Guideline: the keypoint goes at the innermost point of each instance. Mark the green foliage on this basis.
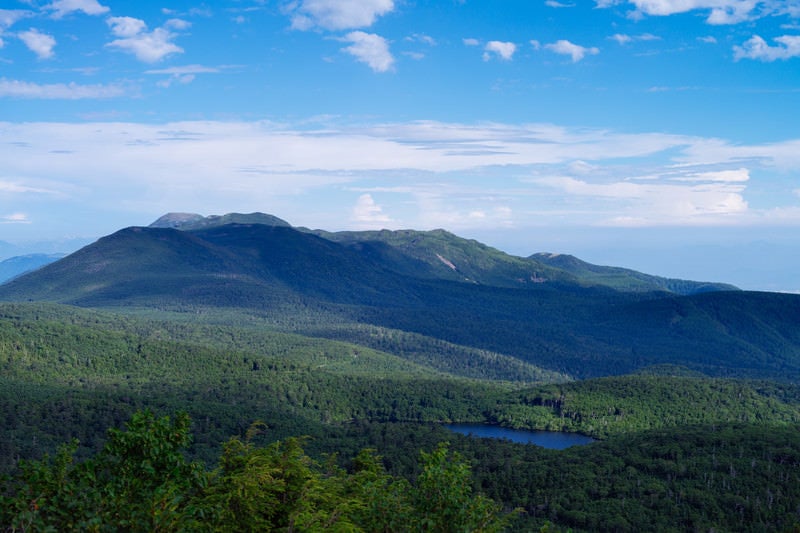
(397, 282)
(608, 406)
(140, 481)
(439, 254)
(444, 499)
(624, 279)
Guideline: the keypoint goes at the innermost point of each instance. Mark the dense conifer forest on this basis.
(257, 377)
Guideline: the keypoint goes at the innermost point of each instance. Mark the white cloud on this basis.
(39, 43)
(503, 50)
(421, 38)
(337, 14)
(757, 48)
(64, 7)
(576, 52)
(472, 172)
(709, 39)
(10, 187)
(631, 203)
(57, 91)
(126, 26)
(183, 70)
(148, 47)
(719, 11)
(9, 17)
(556, 4)
(370, 49)
(15, 218)
(471, 42)
(183, 74)
(622, 38)
(178, 24)
(726, 176)
(368, 213)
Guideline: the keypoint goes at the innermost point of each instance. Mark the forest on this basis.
(677, 451)
(281, 379)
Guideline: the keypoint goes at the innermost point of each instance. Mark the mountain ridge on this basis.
(305, 282)
(440, 254)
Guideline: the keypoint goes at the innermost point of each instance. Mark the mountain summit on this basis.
(193, 221)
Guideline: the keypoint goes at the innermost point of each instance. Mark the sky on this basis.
(660, 135)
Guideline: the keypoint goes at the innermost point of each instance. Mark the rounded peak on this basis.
(193, 221)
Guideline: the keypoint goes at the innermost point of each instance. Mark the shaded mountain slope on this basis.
(624, 278)
(295, 278)
(439, 254)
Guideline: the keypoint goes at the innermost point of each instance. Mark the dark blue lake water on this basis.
(546, 439)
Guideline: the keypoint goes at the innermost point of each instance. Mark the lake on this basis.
(555, 440)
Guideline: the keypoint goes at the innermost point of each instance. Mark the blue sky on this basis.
(653, 134)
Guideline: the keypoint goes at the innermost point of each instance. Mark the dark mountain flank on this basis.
(434, 287)
(626, 279)
(439, 254)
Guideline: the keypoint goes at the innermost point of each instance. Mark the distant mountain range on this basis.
(17, 265)
(556, 312)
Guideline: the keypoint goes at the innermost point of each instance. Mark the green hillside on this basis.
(625, 279)
(373, 340)
(723, 446)
(308, 284)
(439, 254)
(627, 404)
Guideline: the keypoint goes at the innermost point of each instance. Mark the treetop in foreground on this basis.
(141, 481)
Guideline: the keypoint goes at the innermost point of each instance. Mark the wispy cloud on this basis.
(719, 11)
(182, 74)
(58, 91)
(444, 174)
(13, 187)
(576, 52)
(15, 218)
(60, 8)
(9, 17)
(654, 201)
(337, 14)
(757, 48)
(622, 38)
(147, 46)
(367, 213)
(39, 43)
(370, 49)
(421, 38)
